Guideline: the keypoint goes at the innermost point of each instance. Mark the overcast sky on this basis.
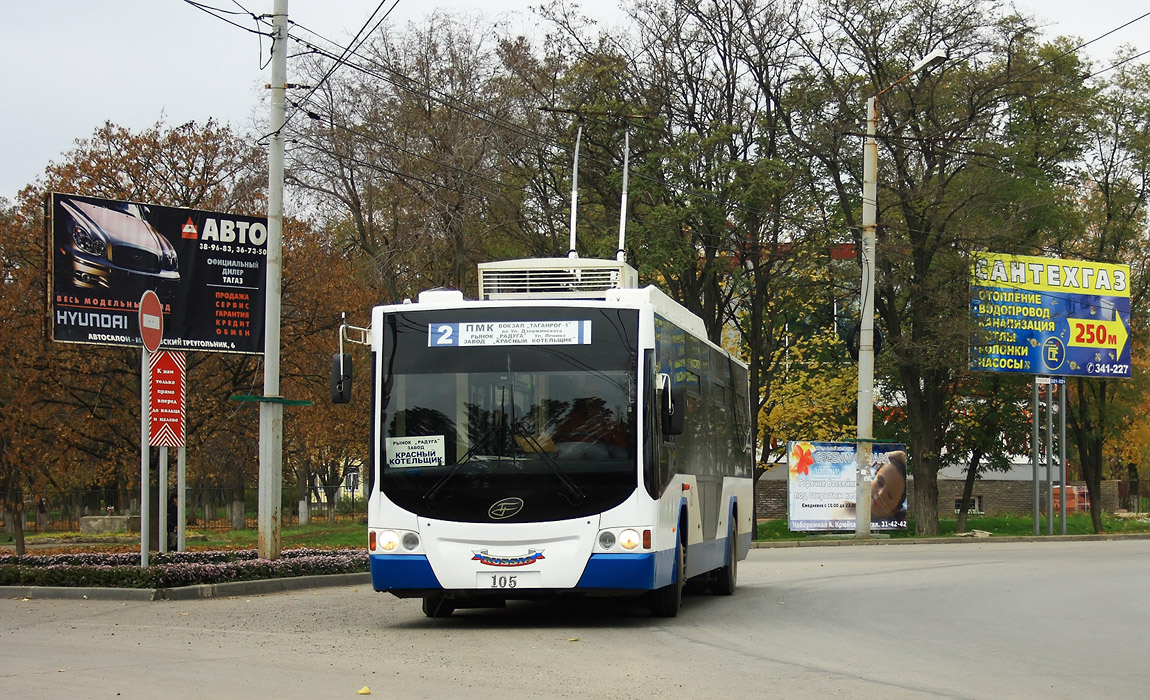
(68, 66)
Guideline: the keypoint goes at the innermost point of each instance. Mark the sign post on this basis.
(167, 382)
(151, 319)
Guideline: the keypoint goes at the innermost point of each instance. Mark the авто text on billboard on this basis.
(208, 269)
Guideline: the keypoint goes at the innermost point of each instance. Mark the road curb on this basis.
(202, 591)
(850, 541)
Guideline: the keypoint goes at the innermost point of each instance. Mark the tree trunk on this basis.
(1089, 436)
(1133, 503)
(925, 505)
(925, 449)
(239, 516)
(1094, 488)
(301, 480)
(968, 489)
(17, 522)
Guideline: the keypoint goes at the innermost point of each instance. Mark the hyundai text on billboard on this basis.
(207, 268)
(1050, 316)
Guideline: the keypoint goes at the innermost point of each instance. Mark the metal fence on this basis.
(1134, 496)
(206, 509)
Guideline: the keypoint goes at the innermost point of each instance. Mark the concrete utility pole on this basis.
(865, 407)
(271, 411)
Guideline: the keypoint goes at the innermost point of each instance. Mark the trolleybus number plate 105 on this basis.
(507, 580)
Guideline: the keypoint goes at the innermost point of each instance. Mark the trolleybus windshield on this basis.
(483, 405)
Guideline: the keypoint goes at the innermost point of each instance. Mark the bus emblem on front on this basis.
(501, 510)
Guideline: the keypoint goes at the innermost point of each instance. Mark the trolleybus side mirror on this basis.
(341, 378)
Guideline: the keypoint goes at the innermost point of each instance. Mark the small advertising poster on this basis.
(1050, 316)
(208, 270)
(822, 483)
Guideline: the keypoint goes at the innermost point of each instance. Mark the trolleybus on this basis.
(566, 433)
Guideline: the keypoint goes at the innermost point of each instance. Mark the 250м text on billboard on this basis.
(1050, 316)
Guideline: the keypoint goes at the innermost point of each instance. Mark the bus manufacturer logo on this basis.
(501, 510)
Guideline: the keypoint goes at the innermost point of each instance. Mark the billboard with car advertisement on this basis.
(1050, 316)
(207, 268)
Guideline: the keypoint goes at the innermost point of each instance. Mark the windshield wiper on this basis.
(571, 491)
(499, 429)
(484, 441)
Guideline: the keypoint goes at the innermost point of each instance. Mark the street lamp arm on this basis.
(932, 59)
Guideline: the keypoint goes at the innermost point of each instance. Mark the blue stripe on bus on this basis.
(648, 571)
(398, 571)
(704, 556)
(744, 544)
(620, 571)
(642, 571)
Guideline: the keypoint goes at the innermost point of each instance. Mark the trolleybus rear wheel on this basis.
(727, 577)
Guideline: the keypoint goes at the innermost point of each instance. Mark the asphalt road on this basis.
(971, 620)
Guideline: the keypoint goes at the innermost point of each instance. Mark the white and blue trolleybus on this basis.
(566, 433)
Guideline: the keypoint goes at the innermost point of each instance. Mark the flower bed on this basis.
(173, 569)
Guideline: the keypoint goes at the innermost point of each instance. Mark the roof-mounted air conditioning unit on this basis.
(554, 278)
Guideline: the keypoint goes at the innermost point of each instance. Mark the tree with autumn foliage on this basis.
(322, 441)
(1111, 185)
(75, 419)
(813, 394)
(25, 449)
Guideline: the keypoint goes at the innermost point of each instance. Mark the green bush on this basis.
(175, 569)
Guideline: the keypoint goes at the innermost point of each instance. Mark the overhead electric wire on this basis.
(409, 85)
(392, 145)
(217, 12)
(350, 48)
(423, 90)
(1088, 43)
(406, 83)
(1118, 64)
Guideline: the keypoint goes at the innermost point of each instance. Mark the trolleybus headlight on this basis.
(388, 540)
(410, 541)
(606, 539)
(629, 539)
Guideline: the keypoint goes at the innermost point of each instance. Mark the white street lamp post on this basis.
(865, 414)
(865, 410)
